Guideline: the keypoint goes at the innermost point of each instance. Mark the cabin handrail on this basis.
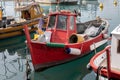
(23, 23)
(108, 67)
(107, 49)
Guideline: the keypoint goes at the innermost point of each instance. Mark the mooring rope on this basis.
(99, 72)
(28, 68)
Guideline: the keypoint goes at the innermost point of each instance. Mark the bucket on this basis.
(77, 38)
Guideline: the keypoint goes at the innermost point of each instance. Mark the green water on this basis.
(75, 70)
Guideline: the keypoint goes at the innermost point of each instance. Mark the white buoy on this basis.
(73, 51)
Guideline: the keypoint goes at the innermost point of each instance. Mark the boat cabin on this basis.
(61, 24)
(31, 11)
(115, 47)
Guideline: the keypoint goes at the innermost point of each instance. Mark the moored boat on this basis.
(106, 62)
(30, 14)
(57, 1)
(65, 40)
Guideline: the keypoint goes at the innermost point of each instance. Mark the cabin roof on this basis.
(26, 7)
(116, 31)
(63, 12)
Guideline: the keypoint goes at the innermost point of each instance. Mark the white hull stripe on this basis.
(98, 44)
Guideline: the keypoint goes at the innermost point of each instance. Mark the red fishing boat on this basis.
(105, 63)
(65, 40)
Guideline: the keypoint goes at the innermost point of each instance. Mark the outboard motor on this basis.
(3, 22)
(9, 20)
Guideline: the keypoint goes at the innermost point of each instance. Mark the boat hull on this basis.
(46, 56)
(96, 62)
(14, 33)
(14, 30)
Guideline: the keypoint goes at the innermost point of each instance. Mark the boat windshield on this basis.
(61, 22)
(51, 22)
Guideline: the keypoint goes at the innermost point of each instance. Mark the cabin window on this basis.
(118, 47)
(62, 22)
(26, 15)
(51, 22)
(71, 23)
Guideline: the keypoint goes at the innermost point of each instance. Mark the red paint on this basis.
(108, 63)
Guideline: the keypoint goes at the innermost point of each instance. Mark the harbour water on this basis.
(75, 70)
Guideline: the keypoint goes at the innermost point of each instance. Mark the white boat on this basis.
(106, 62)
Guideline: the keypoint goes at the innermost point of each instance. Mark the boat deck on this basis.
(104, 64)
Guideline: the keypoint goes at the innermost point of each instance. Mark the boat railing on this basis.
(23, 23)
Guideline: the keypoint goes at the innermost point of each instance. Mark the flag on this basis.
(41, 22)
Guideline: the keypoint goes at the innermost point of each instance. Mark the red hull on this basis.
(104, 72)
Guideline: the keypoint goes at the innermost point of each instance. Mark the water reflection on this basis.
(90, 76)
(12, 44)
(13, 54)
(10, 65)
